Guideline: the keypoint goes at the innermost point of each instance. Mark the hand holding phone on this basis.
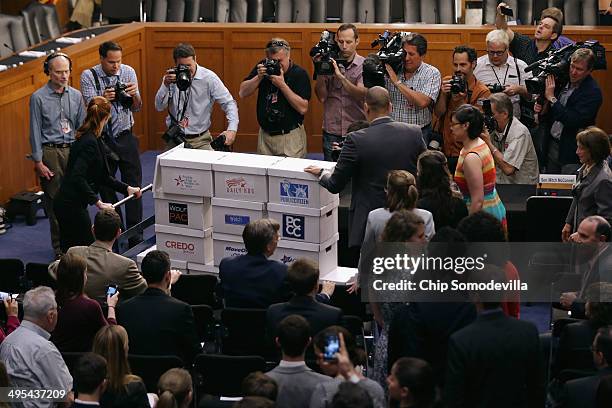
(111, 290)
(332, 346)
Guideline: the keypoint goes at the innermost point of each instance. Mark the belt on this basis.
(57, 145)
(196, 135)
(283, 131)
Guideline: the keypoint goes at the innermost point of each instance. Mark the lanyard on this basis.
(502, 142)
(505, 75)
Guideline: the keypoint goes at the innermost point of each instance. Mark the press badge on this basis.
(65, 126)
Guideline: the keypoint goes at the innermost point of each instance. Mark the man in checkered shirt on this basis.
(415, 90)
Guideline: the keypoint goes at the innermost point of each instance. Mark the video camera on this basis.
(121, 96)
(327, 49)
(391, 52)
(557, 64)
(183, 76)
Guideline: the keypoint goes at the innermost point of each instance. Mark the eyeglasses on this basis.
(496, 53)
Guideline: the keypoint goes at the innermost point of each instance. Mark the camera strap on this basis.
(180, 116)
(109, 125)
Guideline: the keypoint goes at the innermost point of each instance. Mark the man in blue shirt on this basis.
(122, 152)
(56, 111)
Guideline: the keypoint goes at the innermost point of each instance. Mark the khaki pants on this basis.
(56, 159)
(292, 144)
(201, 142)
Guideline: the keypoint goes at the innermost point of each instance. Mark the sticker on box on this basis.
(237, 219)
(177, 213)
(293, 193)
(240, 185)
(293, 226)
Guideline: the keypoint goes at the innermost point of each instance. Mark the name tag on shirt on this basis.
(65, 126)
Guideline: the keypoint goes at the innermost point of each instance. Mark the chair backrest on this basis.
(222, 375)
(176, 10)
(41, 22)
(196, 289)
(546, 217)
(71, 358)
(150, 368)
(124, 10)
(192, 11)
(11, 275)
(12, 33)
(157, 10)
(245, 332)
(204, 321)
(38, 275)
(350, 303)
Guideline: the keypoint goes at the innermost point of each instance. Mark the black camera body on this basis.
(489, 120)
(557, 64)
(506, 11)
(391, 53)
(219, 145)
(183, 76)
(496, 88)
(121, 96)
(272, 66)
(327, 49)
(174, 135)
(458, 84)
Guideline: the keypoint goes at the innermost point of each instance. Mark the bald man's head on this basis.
(378, 101)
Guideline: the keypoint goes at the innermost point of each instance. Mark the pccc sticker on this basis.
(293, 226)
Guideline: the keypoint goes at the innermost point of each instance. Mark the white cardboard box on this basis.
(289, 184)
(183, 211)
(241, 176)
(185, 244)
(301, 224)
(186, 171)
(325, 254)
(230, 216)
(201, 269)
(226, 245)
(174, 264)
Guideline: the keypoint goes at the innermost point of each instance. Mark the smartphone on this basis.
(111, 290)
(332, 346)
(506, 11)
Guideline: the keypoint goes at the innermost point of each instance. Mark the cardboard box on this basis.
(226, 245)
(186, 172)
(241, 176)
(174, 264)
(201, 269)
(289, 184)
(313, 225)
(230, 216)
(325, 254)
(183, 211)
(185, 244)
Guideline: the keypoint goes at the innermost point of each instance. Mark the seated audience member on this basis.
(351, 395)
(303, 278)
(254, 402)
(412, 383)
(582, 392)
(174, 389)
(604, 391)
(594, 261)
(435, 192)
(593, 191)
(496, 360)
(511, 145)
(578, 337)
(104, 267)
(89, 380)
(324, 392)
(296, 382)
(256, 384)
(252, 280)
(124, 390)
(483, 227)
(422, 329)
(31, 360)
(157, 323)
(12, 319)
(78, 318)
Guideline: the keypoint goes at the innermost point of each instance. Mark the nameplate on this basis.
(557, 178)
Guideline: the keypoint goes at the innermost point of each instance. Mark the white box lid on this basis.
(209, 267)
(290, 167)
(247, 205)
(191, 158)
(188, 232)
(227, 237)
(245, 163)
(173, 262)
(313, 212)
(339, 275)
(307, 246)
(158, 195)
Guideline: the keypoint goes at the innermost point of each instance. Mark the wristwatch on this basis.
(553, 100)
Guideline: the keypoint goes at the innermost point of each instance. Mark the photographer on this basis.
(414, 91)
(117, 83)
(282, 101)
(343, 93)
(190, 108)
(456, 90)
(503, 74)
(570, 109)
(511, 146)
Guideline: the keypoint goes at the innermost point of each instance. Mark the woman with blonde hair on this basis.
(86, 172)
(124, 388)
(174, 389)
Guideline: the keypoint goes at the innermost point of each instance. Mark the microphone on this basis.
(295, 16)
(10, 48)
(226, 14)
(365, 20)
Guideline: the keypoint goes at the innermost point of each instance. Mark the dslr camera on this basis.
(183, 76)
(489, 120)
(495, 88)
(272, 66)
(121, 96)
(174, 135)
(390, 52)
(327, 49)
(458, 84)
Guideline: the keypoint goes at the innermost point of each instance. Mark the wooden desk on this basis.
(231, 50)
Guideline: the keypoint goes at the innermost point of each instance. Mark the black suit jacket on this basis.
(158, 324)
(495, 362)
(574, 347)
(86, 171)
(367, 157)
(582, 392)
(319, 315)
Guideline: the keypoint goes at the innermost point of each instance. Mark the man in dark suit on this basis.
(495, 361)
(254, 281)
(89, 380)
(303, 278)
(158, 324)
(367, 157)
